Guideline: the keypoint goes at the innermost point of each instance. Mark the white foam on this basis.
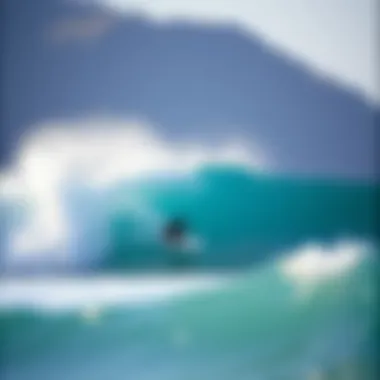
(90, 295)
(313, 263)
(90, 155)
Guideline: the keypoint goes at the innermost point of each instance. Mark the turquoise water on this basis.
(256, 327)
(278, 319)
(241, 218)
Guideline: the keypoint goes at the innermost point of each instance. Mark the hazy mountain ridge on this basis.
(185, 79)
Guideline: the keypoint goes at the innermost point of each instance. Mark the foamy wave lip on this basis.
(91, 155)
(60, 294)
(314, 263)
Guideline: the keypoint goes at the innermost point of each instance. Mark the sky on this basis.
(336, 37)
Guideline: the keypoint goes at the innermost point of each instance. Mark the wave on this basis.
(91, 199)
(65, 173)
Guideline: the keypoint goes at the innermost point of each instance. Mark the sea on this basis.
(277, 280)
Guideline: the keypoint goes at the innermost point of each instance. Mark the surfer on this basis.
(175, 232)
(181, 245)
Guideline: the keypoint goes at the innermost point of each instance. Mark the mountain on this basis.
(62, 61)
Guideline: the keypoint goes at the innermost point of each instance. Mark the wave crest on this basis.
(83, 160)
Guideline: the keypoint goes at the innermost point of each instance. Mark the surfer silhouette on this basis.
(181, 244)
(175, 231)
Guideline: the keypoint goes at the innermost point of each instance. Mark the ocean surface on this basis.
(277, 281)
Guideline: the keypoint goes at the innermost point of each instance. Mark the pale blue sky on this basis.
(336, 37)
